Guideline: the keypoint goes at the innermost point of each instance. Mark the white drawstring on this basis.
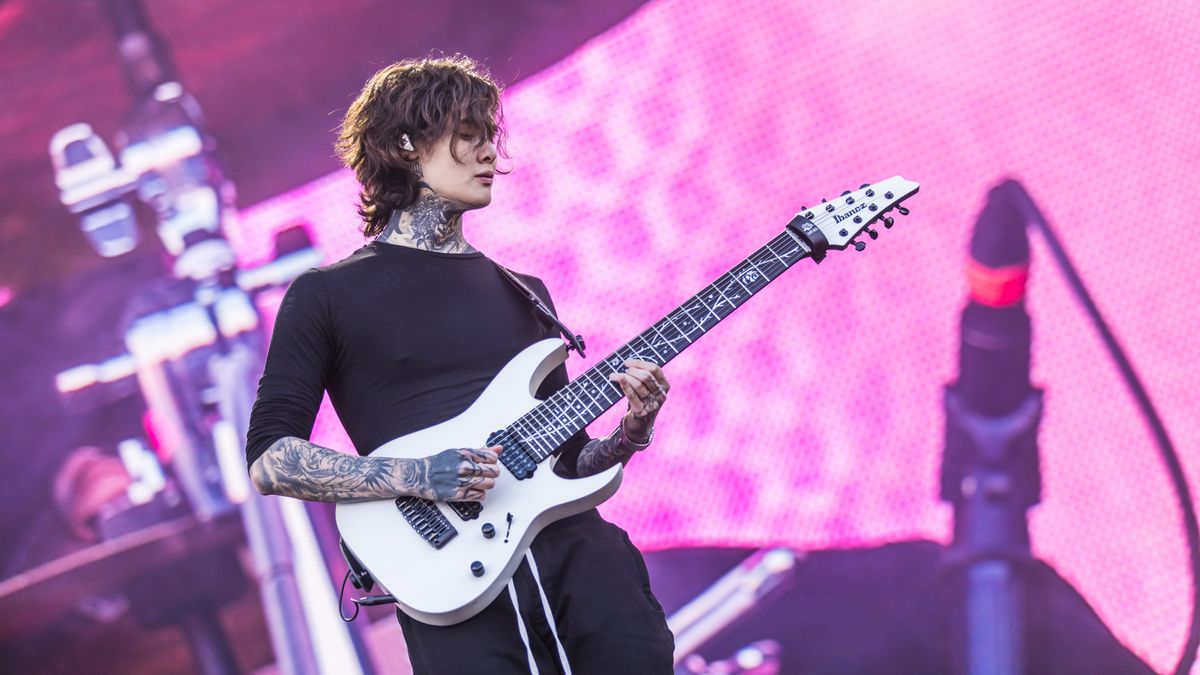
(512, 593)
(562, 653)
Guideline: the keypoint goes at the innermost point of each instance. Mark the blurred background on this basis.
(167, 168)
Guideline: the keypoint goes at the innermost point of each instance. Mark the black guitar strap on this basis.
(573, 340)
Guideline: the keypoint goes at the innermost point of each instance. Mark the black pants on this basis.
(602, 616)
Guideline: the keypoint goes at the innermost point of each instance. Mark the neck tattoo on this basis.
(433, 223)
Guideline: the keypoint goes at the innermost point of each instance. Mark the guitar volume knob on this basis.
(489, 530)
(477, 568)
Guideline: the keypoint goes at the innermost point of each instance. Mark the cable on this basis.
(1159, 430)
(341, 597)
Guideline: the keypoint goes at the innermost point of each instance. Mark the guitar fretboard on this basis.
(588, 396)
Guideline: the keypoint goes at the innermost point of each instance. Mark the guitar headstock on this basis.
(837, 222)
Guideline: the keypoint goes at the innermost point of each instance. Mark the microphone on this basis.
(990, 470)
(992, 411)
(994, 358)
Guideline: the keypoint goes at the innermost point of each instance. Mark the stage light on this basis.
(92, 185)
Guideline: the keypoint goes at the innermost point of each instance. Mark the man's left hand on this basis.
(645, 387)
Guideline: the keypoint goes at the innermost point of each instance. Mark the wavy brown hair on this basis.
(426, 99)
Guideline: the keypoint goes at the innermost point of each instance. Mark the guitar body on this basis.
(437, 586)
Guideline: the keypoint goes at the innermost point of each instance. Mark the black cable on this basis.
(1165, 447)
(341, 597)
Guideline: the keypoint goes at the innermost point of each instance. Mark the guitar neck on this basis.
(570, 409)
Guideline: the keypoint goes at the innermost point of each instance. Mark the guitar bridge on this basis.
(427, 520)
(466, 510)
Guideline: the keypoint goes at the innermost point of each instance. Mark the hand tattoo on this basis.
(441, 475)
(455, 475)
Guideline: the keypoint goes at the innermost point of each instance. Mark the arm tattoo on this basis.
(293, 467)
(601, 453)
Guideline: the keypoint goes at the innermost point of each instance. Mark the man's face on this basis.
(468, 183)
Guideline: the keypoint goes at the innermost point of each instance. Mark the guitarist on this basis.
(405, 333)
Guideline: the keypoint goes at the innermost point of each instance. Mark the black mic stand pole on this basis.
(990, 473)
(990, 469)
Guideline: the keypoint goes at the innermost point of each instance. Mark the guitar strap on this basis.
(573, 340)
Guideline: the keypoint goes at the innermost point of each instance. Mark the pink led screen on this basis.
(664, 151)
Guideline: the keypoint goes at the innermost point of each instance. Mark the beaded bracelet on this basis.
(629, 442)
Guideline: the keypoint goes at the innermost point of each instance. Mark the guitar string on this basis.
(758, 262)
(556, 408)
(772, 270)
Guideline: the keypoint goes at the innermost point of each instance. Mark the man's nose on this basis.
(487, 152)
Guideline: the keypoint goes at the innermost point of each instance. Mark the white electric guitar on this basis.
(444, 562)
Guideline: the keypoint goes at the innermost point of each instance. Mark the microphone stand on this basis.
(990, 469)
(990, 473)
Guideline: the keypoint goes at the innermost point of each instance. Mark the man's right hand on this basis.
(460, 474)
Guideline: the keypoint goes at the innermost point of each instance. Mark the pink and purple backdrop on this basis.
(664, 151)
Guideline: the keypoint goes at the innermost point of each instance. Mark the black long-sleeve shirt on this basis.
(401, 338)
(404, 339)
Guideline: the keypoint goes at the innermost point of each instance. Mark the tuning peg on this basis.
(872, 234)
(859, 245)
(888, 222)
(903, 211)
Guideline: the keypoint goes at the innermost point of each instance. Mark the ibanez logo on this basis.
(839, 217)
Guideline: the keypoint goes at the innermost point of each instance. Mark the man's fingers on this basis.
(469, 468)
(466, 470)
(635, 401)
(477, 489)
(485, 455)
(477, 482)
(650, 367)
(633, 387)
(645, 379)
(654, 371)
(644, 365)
(641, 387)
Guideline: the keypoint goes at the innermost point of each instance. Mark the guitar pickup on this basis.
(466, 510)
(424, 517)
(514, 456)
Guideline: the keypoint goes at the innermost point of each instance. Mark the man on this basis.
(405, 333)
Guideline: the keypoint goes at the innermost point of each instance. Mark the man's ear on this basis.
(408, 151)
